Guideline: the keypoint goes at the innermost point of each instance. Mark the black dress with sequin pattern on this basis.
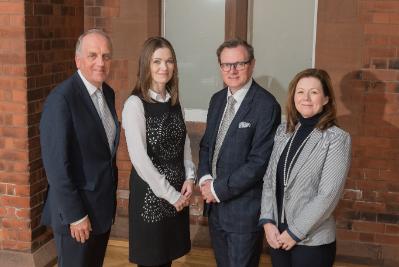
(157, 232)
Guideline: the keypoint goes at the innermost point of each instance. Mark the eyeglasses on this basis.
(237, 65)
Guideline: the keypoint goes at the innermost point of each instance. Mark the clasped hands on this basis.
(277, 240)
(186, 192)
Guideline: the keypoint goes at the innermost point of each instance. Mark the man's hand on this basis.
(188, 188)
(286, 241)
(207, 192)
(181, 203)
(81, 231)
(272, 234)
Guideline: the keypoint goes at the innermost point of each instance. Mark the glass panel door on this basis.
(195, 29)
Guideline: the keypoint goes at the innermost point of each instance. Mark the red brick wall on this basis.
(52, 28)
(37, 53)
(358, 43)
(15, 232)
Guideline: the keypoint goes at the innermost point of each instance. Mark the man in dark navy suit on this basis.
(234, 153)
(79, 133)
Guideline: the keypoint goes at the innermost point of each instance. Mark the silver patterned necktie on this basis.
(106, 118)
(224, 126)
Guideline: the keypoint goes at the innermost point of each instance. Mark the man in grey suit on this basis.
(234, 153)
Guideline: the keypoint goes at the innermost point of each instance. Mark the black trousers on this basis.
(304, 256)
(73, 253)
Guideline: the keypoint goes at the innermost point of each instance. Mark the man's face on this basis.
(94, 59)
(233, 78)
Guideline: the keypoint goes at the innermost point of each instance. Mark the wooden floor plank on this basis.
(117, 256)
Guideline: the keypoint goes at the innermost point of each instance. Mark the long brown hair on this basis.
(328, 117)
(144, 79)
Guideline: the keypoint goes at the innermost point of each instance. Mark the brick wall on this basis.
(36, 53)
(50, 50)
(15, 232)
(358, 43)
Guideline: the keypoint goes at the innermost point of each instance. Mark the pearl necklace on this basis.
(286, 172)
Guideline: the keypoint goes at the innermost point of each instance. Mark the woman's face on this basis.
(309, 97)
(162, 66)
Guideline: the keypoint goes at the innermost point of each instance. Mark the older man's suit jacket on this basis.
(243, 156)
(80, 168)
(315, 184)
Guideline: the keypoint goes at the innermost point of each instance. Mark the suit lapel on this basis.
(219, 111)
(304, 154)
(86, 99)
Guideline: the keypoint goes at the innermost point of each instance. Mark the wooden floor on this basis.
(117, 256)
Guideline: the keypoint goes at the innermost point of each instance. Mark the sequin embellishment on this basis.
(165, 145)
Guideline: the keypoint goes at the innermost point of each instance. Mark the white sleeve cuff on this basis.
(190, 169)
(214, 193)
(204, 178)
(81, 220)
(175, 198)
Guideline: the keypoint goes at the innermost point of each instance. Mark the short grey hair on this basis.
(78, 48)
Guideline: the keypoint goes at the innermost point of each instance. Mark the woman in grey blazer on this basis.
(305, 176)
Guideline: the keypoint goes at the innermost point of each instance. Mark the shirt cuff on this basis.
(264, 221)
(293, 236)
(204, 178)
(190, 169)
(175, 198)
(81, 220)
(214, 193)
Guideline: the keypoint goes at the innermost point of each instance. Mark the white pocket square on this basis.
(244, 124)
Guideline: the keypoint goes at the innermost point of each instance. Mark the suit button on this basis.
(287, 196)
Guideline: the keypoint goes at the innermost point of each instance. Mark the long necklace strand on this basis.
(286, 172)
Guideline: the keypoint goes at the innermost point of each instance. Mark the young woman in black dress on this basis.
(162, 177)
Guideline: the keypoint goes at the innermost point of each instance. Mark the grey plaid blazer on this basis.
(315, 184)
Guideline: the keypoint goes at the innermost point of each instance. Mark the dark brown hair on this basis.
(144, 78)
(236, 42)
(328, 117)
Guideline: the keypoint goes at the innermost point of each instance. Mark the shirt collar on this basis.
(240, 94)
(154, 95)
(90, 88)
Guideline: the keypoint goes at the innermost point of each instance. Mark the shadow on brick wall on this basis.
(368, 214)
